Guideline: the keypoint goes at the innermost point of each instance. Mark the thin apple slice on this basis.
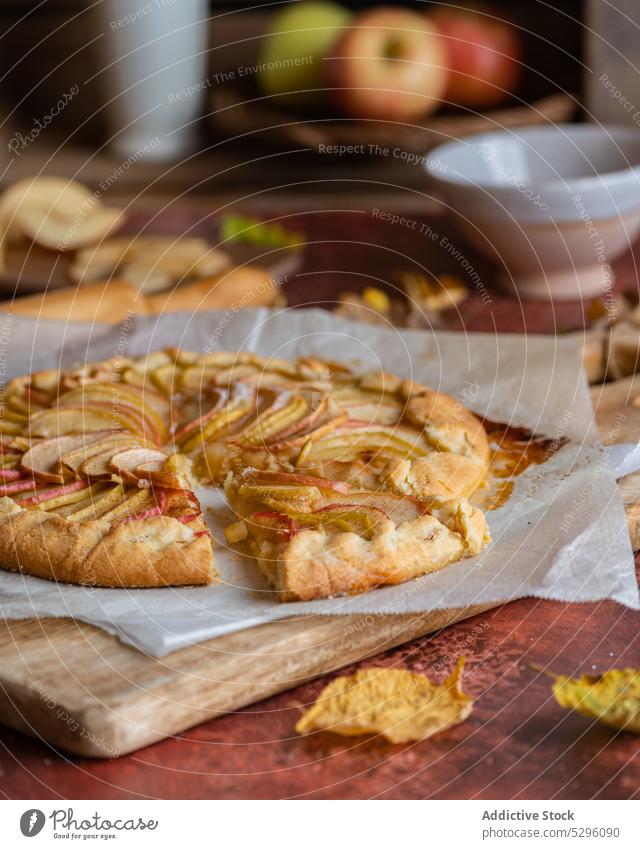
(39, 193)
(300, 437)
(98, 262)
(44, 459)
(280, 495)
(397, 507)
(270, 524)
(133, 503)
(267, 476)
(173, 473)
(219, 424)
(98, 507)
(166, 378)
(186, 430)
(124, 463)
(15, 487)
(10, 427)
(59, 496)
(266, 426)
(113, 441)
(67, 229)
(7, 475)
(76, 419)
(98, 466)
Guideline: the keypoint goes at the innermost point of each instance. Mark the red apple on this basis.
(389, 65)
(483, 55)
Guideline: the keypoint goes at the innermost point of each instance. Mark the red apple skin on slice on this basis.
(390, 65)
(43, 459)
(42, 497)
(10, 474)
(258, 476)
(17, 486)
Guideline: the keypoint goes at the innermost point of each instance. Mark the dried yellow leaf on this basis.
(401, 705)
(612, 698)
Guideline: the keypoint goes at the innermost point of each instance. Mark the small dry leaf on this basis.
(612, 698)
(401, 705)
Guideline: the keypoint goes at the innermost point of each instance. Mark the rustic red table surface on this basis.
(518, 743)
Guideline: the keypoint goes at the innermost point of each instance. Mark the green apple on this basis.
(291, 59)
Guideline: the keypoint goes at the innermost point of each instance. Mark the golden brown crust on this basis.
(449, 425)
(155, 552)
(316, 565)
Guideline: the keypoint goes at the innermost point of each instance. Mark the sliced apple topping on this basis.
(348, 443)
(281, 496)
(363, 520)
(125, 463)
(10, 475)
(57, 496)
(219, 423)
(76, 419)
(270, 424)
(106, 443)
(9, 427)
(134, 503)
(102, 501)
(44, 459)
(198, 424)
(15, 487)
(254, 476)
(174, 472)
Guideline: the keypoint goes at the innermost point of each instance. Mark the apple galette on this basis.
(340, 482)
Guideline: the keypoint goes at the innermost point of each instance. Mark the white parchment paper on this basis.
(562, 534)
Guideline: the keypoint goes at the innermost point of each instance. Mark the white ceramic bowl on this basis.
(554, 205)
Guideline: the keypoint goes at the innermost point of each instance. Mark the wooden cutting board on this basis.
(82, 690)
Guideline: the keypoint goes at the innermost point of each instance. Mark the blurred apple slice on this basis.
(44, 459)
(57, 496)
(55, 213)
(39, 193)
(152, 263)
(66, 232)
(105, 441)
(75, 418)
(131, 505)
(125, 463)
(108, 499)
